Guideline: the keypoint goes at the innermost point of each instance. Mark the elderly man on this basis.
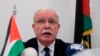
(46, 26)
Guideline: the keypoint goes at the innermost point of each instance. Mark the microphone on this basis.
(73, 49)
(29, 52)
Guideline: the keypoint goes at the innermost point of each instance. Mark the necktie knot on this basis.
(46, 49)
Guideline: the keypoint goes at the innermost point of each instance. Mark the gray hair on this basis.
(46, 9)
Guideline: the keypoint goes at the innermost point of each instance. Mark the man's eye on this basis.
(52, 22)
(40, 21)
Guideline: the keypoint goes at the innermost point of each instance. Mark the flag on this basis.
(13, 44)
(83, 23)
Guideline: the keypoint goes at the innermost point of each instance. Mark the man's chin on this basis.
(47, 39)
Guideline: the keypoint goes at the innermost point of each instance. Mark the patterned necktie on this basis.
(46, 49)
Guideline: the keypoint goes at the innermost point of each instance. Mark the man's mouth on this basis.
(46, 33)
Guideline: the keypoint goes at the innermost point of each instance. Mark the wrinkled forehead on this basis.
(45, 13)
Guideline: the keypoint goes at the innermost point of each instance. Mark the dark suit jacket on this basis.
(60, 46)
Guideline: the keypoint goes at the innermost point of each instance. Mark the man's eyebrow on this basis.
(39, 19)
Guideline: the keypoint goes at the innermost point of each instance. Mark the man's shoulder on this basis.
(31, 42)
(61, 42)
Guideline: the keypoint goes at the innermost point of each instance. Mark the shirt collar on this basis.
(41, 47)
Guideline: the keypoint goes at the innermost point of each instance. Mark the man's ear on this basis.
(32, 25)
(59, 25)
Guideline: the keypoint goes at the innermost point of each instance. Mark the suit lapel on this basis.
(59, 48)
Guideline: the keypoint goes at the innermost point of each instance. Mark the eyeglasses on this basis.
(50, 21)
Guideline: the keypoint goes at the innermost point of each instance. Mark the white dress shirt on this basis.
(41, 49)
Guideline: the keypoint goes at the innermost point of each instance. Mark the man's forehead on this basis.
(45, 12)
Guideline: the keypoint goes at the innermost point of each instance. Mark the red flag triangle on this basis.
(14, 33)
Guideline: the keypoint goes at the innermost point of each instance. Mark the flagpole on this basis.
(8, 30)
(14, 11)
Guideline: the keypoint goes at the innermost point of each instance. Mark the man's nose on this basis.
(47, 24)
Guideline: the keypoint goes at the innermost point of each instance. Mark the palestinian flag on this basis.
(13, 45)
(83, 23)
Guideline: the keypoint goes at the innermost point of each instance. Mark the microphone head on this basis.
(74, 48)
(29, 52)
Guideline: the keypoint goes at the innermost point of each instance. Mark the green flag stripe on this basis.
(17, 48)
(87, 23)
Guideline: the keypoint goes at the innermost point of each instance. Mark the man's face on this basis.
(46, 26)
